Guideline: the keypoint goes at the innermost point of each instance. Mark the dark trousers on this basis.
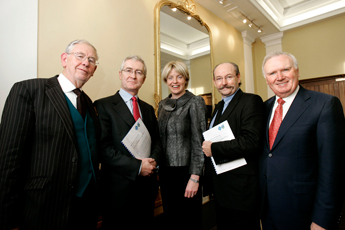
(179, 212)
(84, 212)
(231, 219)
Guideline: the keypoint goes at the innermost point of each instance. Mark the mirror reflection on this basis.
(185, 39)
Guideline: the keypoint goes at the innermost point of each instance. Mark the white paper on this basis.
(138, 140)
(223, 132)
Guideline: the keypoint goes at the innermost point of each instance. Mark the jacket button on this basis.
(270, 155)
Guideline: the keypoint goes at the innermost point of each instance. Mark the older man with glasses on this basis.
(129, 185)
(49, 148)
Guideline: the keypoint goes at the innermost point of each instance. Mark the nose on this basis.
(280, 75)
(86, 62)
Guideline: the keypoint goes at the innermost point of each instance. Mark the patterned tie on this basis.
(136, 113)
(277, 120)
(81, 102)
(219, 113)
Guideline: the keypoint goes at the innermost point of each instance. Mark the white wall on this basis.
(18, 43)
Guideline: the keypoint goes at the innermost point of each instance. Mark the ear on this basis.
(64, 59)
(239, 78)
(120, 75)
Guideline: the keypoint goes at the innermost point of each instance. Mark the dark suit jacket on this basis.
(38, 156)
(124, 191)
(302, 173)
(238, 189)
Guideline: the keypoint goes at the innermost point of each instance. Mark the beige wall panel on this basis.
(117, 29)
(319, 47)
(259, 52)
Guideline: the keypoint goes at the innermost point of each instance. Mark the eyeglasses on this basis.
(131, 71)
(227, 78)
(82, 57)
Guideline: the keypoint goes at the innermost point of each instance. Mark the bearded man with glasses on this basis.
(49, 148)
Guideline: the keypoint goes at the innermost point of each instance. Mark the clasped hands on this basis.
(148, 166)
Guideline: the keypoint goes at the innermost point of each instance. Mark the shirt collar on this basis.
(125, 95)
(229, 98)
(65, 84)
(289, 99)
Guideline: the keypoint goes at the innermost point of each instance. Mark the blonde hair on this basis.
(179, 66)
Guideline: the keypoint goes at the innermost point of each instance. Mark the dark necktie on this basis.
(276, 121)
(136, 113)
(81, 102)
(219, 113)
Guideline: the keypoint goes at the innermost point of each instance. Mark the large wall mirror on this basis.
(182, 35)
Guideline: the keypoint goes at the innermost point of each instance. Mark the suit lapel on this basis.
(297, 108)
(122, 110)
(231, 106)
(58, 100)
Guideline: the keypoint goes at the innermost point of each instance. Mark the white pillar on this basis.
(248, 39)
(273, 43)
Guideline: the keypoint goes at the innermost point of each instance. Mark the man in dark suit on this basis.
(48, 150)
(302, 164)
(236, 191)
(129, 185)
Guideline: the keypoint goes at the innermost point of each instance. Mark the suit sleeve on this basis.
(198, 126)
(111, 154)
(248, 126)
(156, 145)
(330, 134)
(16, 133)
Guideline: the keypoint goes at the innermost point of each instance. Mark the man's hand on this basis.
(148, 166)
(206, 147)
(314, 226)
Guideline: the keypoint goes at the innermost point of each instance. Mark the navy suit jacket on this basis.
(302, 175)
(38, 156)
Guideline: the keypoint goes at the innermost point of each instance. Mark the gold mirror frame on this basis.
(188, 7)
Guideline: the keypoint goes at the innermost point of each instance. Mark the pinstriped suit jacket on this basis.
(38, 156)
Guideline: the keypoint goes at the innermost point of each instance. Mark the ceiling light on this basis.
(174, 9)
(259, 30)
(189, 17)
(221, 1)
(250, 25)
(245, 20)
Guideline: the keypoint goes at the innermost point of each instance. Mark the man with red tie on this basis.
(129, 185)
(302, 163)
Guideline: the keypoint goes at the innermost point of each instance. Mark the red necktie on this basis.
(275, 124)
(136, 113)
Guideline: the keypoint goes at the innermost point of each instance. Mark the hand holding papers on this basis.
(138, 140)
(223, 132)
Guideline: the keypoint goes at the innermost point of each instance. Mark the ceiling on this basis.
(186, 39)
(273, 16)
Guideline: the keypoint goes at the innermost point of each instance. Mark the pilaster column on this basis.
(248, 39)
(273, 43)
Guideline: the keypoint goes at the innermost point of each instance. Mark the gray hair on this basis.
(79, 41)
(276, 54)
(134, 58)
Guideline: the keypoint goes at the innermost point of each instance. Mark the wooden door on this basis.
(333, 85)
